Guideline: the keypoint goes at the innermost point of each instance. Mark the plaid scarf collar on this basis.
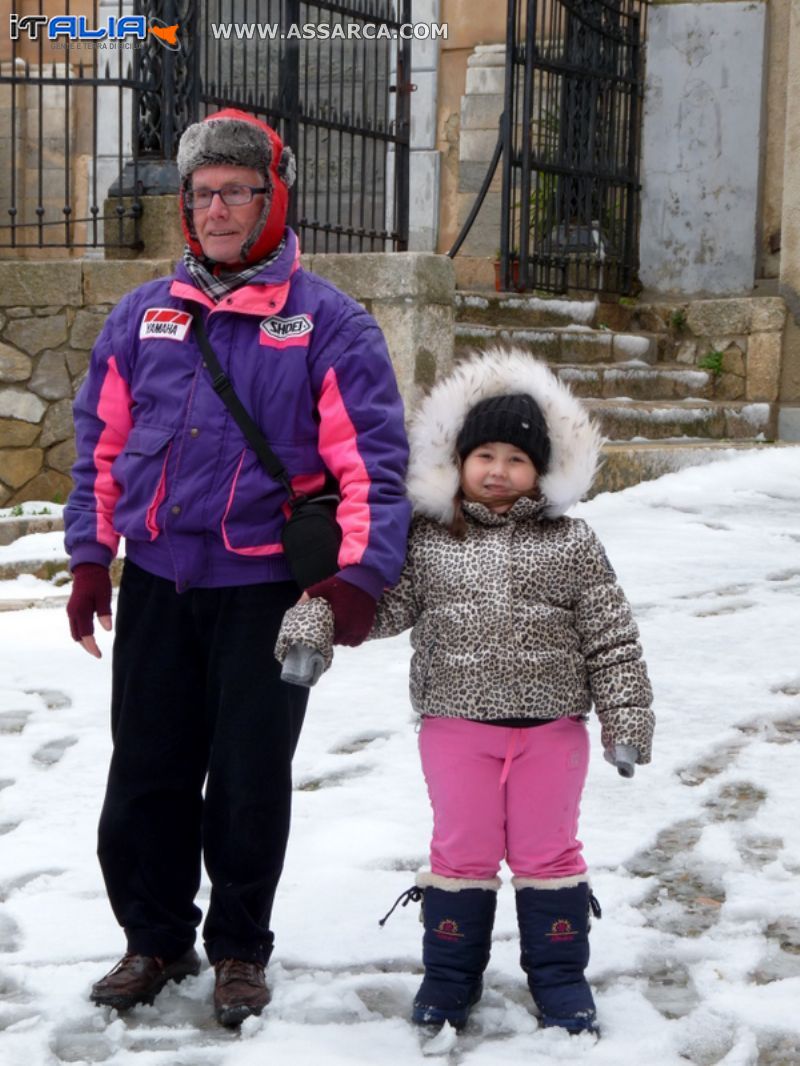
(216, 286)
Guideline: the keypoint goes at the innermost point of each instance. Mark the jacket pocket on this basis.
(421, 677)
(141, 472)
(428, 678)
(256, 507)
(253, 519)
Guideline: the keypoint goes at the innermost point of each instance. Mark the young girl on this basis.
(519, 625)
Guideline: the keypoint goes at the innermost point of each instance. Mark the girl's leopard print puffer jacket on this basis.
(523, 616)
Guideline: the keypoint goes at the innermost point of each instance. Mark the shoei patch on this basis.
(277, 331)
(165, 322)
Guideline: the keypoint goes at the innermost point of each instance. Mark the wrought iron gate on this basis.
(93, 132)
(570, 194)
(342, 102)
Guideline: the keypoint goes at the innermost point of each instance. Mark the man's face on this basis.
(221, 229)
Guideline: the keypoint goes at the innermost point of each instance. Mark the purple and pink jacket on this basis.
(162, 463)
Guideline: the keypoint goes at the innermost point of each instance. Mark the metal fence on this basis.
(343, 105)
(91, 130)
(571, 130)
(65, 137)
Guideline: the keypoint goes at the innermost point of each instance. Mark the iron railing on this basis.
(342, 104)
(571, 132)
(93, 131)
(65, 138)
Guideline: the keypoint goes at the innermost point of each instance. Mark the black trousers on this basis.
(197, 700)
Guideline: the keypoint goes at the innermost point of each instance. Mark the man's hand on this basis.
(353, 609)
(91, 595)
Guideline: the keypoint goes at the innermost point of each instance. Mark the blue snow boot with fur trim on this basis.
(554, 939)
(455, 951)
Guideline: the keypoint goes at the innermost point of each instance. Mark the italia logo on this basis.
(286, 330)
(165, 323)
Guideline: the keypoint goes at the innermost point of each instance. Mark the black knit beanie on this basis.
(516, 419)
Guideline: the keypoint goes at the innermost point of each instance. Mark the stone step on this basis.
(53, 570)
(681, 318)
(44, 569)
(626, 464)
(510, 309)
(684, 419)
(13, 528)
(571, 344)
(636, 381)
(59, 601)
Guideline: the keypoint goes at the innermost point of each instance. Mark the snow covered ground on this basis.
(696, 861)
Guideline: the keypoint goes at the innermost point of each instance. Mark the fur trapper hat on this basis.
(236, 138)
(575, 441)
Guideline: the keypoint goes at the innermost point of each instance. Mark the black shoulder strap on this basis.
(223, 388)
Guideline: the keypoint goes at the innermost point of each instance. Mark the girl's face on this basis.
(497, 474)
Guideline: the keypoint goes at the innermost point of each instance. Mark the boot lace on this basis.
(130, 957)
(238, 970)
(411, 895)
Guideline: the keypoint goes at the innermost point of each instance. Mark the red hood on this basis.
(275, 223)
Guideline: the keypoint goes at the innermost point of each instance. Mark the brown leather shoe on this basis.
(139, 979)
(240, 991)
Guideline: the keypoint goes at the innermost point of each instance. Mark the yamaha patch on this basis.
(278, 332)
(166, 323)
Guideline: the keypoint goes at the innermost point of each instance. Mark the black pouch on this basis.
(311, 539)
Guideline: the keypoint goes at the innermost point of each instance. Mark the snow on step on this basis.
(692, 378)
(575, 310)
(631, 345)
(512, 308)
(558, 344)
(636, 380)
(623, 419)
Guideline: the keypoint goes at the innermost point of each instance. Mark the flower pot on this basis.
(498, 275)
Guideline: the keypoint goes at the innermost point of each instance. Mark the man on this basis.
(197, 700)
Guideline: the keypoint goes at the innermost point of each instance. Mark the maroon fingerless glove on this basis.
(91, 595)
(353, 609)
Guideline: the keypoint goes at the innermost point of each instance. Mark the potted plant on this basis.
(498, 271)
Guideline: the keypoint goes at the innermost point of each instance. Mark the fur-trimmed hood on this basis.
(575, 440)
(237, 138)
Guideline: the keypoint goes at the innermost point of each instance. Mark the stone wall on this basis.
(425, 159)
(468, 25)
(702, 140)
(740, 339)
(774, 139)
(790, 229)
(481, 107)
(51, 313)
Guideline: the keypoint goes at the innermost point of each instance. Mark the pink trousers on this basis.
(502, 793)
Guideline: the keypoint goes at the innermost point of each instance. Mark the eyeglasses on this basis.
(231, 196)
